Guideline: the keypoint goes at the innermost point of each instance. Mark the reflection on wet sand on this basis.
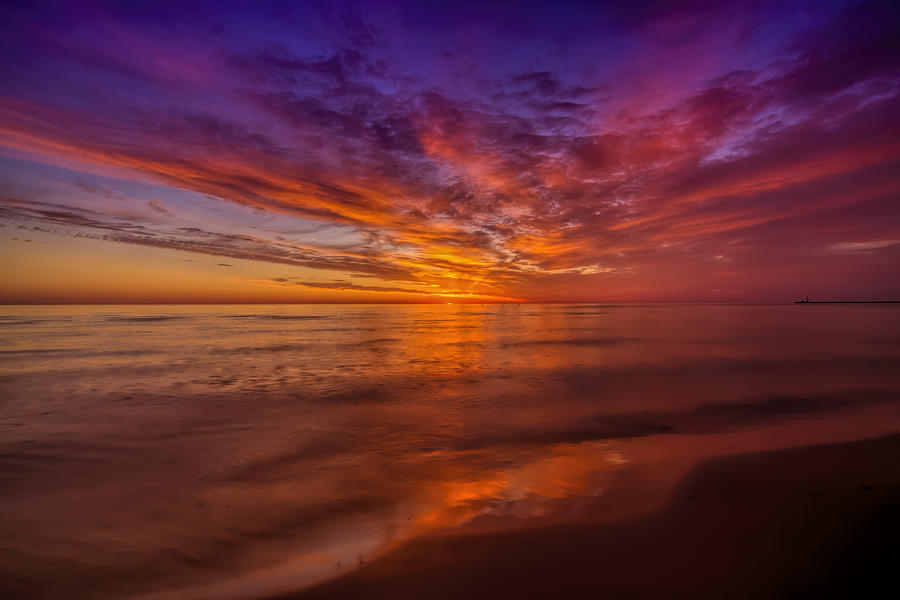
(231, 452)
(779, 524)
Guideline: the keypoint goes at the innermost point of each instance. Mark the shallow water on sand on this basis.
(232, 451)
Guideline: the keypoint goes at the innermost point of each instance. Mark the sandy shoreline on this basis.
(817, 521)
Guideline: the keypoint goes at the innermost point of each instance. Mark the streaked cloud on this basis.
(863, 246)
(605, 153)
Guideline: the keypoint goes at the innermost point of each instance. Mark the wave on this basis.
(708, 418)
(286, 347)
(280, 317)
(145, 319)
(75, 352)
(296, 346)
(605, 341)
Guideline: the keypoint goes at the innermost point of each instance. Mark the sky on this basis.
(425, 151)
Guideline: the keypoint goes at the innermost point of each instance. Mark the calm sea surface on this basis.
(232, 451)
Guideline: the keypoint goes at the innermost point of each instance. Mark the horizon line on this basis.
(742, 302)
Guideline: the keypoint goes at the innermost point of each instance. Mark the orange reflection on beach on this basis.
(526, 490)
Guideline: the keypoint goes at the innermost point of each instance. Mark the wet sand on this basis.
(818, 521)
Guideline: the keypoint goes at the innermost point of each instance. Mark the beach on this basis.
(809, 522)
(247, 452)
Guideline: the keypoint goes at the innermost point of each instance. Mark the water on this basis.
(232, 451)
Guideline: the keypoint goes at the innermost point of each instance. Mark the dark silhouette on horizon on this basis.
(808, 301)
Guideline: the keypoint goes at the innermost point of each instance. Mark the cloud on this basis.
(507, 176)
(346, 285)
(159, 207)
(862, 246)
(84, 223)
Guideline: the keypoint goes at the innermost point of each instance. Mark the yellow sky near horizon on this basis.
(54, 268)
